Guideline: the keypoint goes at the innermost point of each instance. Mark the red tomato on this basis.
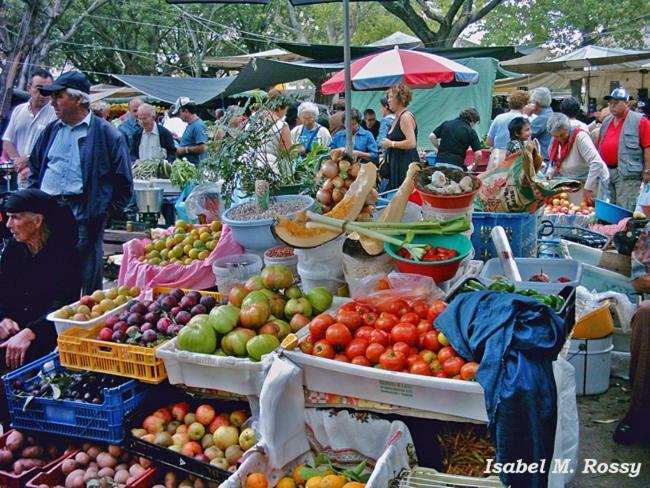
(427, 355)
(468, 371)
(364, 309)
(405, 332)
(421, 308)
(419, 366)
(380, 337)
(410, 317)
(440, 374)
(324, 349)
(424, 326)
(402, 347)
(307, 345)
(399, 307)
(341, 357)
(360, 361)
(431, 341)
(374, 351)
(350, 306)
(452, 366)
(392, 360)
(435, 366)
(356, 347)
(383, 284)
(369, 318)
(386, 321)
(363, 332)
(352, 320)
(435, 309)
(338, 335)
(319, 325)
(445, 353)
(411, 359)
(414, 350)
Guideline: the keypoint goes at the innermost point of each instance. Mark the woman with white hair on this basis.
(540, 101)
(309, 131)
(573, 155)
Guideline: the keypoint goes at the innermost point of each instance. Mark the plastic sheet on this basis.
(198, 275)
(377, 290)
(204, 203)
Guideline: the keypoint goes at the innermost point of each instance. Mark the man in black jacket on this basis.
(151, 140)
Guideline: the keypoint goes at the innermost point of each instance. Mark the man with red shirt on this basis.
(624, 144)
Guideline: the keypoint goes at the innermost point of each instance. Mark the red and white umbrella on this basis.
(413, 68)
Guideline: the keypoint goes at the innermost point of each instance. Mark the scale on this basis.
(8, 173)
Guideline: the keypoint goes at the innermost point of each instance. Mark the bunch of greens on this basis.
(555, 302)
(182, 173)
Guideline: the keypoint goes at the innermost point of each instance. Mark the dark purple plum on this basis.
(134, 329)
(188, 302)
(177, 293)
(151, 317)
(134, 319)
(149, 336)
(164, 324)
(183, 317)
(155, 307)
(139, 308)
(208, 302)
(198, 310)
(146, 326)
(119, 336)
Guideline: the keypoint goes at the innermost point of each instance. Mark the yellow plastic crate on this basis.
(80, 349)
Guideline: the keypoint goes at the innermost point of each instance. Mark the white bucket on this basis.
(235, 270)
(313, 279)
(326, 259)
(592, 360)
(412, 213)
(436, 214)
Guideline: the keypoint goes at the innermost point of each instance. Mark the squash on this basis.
(394, 211)
(294, 232)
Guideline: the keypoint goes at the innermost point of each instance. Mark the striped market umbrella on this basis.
(413, 68)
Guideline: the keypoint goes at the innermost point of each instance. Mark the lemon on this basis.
(315, 482)
(333, 481)
(290, 342)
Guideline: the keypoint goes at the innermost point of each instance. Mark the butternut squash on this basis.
(294, 232)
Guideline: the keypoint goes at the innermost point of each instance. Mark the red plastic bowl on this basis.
(448, 201)
(439, 273)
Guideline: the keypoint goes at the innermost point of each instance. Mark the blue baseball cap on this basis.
(619, 93)
(72, 79)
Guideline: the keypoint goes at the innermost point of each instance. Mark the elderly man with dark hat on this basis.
(82, 160)
(39, 273)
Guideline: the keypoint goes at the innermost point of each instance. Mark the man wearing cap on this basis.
(39, 273)
(130, 125)
(192, 145)
(26, 123)
(83, 161)
(624, 145)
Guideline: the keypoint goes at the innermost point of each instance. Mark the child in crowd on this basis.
(520, 132)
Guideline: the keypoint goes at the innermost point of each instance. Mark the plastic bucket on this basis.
(312, 279)
(356, 269)
(234, 270)
(592, 360)
(438, 214)
(290, 262)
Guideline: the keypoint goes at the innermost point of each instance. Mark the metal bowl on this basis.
(148, 200)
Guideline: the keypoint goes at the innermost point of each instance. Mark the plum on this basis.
(195, 294)
(149, 336)
(146, 326)
(134, 319)
(155, 307)
(208, 301)
(139, 308)
(119, 336)
(151, 317)
(168, 303)
(177, 293)
(198, 310)
(134, 329)
(183, 317)
(164, 324)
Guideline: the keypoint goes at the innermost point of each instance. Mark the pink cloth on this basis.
(611, 229)
(197, 276)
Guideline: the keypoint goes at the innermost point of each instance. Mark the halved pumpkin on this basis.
(394, 211)
(293, 232)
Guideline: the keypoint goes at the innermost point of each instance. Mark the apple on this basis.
(213, 452)
(226, 436)
(298, 305)
(238, 417)
(233, 453)
(207, 441)
(220, 462)
(180, 410)
(196, 431)
(191, 449)
(218, 421)
(236, 295)
(247, 439)
(298, 321)
(205, 414)
(153, 424)
(189, 419)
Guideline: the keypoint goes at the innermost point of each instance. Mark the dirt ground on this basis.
(596, 440)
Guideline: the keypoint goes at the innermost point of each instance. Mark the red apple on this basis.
(180, 410)
(205, 414)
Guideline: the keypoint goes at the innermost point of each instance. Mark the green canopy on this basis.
(435, 106)
(327, 52)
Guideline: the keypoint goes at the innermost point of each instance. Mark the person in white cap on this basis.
(624, 144)
(192, 145)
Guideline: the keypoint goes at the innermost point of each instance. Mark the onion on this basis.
(372, 197)
(330, 169)
(354, 170)
(348, 182)
(364, 217)
(344, 165)
(338, 194)
(324, 196)
(369, 209)
(328, 185)
(338, 182)
(326, 208)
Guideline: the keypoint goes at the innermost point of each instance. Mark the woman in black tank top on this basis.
(401, 142)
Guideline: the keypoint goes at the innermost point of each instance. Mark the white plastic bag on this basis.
(643, 200)
(621, 307)
(205, 200)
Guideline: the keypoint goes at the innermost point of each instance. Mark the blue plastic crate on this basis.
(102, 422)
(521, 229)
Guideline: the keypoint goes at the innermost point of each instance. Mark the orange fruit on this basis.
(290, 342)
(333, 481)
(286, 482)
(257, 480)
(296, 477)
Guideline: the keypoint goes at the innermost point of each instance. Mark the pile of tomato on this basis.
(432, 253)
(397, 336)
